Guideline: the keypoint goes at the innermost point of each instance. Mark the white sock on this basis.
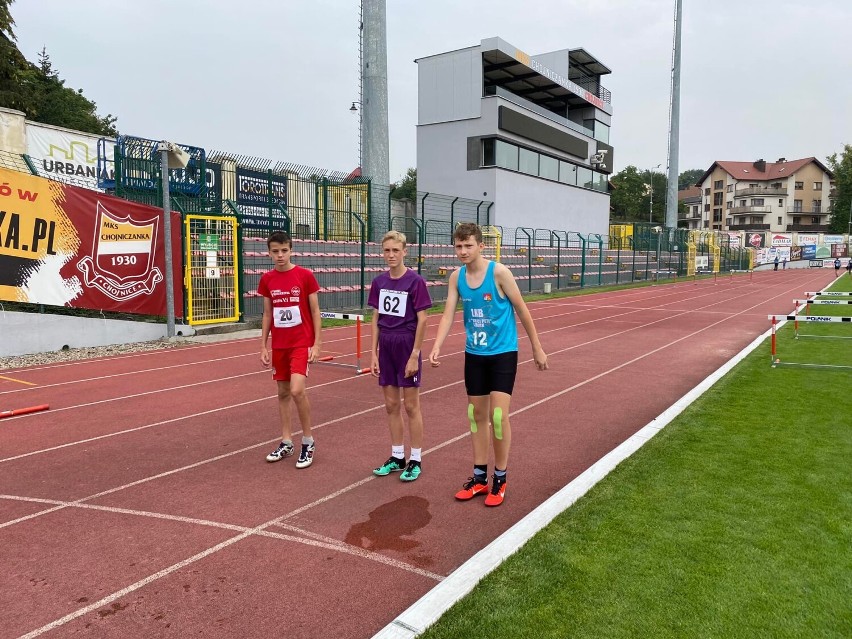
(398, 452)
(415, 454)
(308, 440)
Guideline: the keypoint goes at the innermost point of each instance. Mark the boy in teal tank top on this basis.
(490, 298)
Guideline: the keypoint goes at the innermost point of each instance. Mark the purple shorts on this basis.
(394, 351)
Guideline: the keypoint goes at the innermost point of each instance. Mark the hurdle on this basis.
(329, 359)
(833, 302)
(830, 293)
(23, 411)
(796, 318)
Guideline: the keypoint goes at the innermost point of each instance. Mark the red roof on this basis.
(772, 171)
(689, 192)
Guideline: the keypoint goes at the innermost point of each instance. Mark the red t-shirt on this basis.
(292, 324)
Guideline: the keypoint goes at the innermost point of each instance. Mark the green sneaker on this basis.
(411, 472)
(392, 465)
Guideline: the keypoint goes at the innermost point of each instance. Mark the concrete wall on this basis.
(449, 86)
(549, 205)
(25, 333)
(13, 131)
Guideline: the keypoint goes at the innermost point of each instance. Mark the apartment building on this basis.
(778, 197)
(691, 217)
(528, 132)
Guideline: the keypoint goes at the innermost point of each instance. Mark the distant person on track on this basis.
(836, 267)
(784, 264)
(490, 298)
(400, 299)
(291, 314)
(776, 263)
(849, 266)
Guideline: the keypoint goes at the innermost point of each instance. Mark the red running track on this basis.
(140, 504)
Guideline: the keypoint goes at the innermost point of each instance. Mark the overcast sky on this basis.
(275, 78)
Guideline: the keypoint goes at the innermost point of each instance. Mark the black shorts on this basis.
(484, 374)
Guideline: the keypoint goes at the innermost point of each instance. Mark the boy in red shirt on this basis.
(291, 313)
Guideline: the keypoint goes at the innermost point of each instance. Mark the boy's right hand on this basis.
(433, 357)
(264, 356)
(374, 366)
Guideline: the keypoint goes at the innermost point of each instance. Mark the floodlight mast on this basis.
(171, 155)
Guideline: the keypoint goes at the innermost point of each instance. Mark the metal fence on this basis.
(337, 221)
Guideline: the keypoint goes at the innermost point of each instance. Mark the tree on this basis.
(12, 62)
(841, 207)
(38, 91)
(406, 188)
(688, 178)
(44, 63)
(631, 197)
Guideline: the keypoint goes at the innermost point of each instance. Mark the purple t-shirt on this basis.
(398, 301)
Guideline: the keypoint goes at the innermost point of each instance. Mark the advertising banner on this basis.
(735, 240)
(66, 246)
(809, 252)
(66, 155)
(838, 250)
(807, 239)
(755, 240)
(832, 239)
(258, 191)
(782, 239)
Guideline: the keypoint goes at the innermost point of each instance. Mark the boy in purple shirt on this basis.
(398, 328)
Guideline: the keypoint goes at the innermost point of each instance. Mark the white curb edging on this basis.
(428, 609)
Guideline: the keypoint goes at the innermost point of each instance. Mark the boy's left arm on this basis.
(313, 302)
(506, 282)
(412, 364)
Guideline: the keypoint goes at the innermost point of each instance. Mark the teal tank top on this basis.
(489, 319)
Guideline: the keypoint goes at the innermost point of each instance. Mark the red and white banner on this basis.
(67, 246)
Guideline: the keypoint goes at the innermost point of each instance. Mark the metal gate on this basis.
(212, 269)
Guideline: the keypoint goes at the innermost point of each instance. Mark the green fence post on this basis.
(558, 256)
(582, 260)
(316, 210)
(363, 259)
(423, 209)
(452, 217)
(325, 208)
(529, 251)
(488, 214)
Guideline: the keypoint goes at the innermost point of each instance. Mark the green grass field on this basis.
(735, 521)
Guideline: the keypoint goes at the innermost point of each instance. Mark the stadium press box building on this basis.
(528, 132)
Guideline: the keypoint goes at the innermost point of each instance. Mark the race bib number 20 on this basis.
(287, 317)
(393, 302)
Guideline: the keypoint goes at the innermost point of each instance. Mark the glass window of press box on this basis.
(506, 155)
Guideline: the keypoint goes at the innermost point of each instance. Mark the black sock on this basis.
(499, 475)
(480, 473)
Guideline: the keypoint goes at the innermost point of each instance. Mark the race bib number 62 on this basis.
(393, 302)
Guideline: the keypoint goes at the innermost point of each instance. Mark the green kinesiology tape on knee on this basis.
(498, 423)
(470, 417)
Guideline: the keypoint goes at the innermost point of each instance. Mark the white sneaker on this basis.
(284, 450)
(306, 456)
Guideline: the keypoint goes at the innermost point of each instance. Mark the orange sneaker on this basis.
(471, 489)
(498, 491)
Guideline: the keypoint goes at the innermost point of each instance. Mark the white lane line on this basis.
(38, 387)
(302, 536)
